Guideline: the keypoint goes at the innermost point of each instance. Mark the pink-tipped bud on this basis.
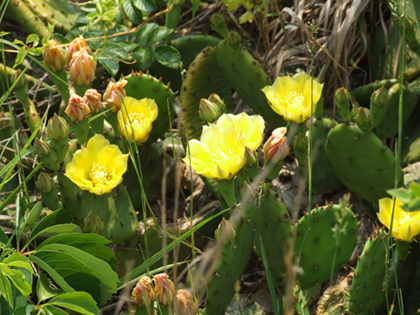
(82, 68)
(143, 293)
(93, 101)
(276, 147)
(185, 303)
(57, 128)
(54, 56)
(77, 44)
(77, 108)
(114, 95)
(164, 288)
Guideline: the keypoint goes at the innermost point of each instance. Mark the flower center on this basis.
(99, 175)
(217, 154)
(294, 99)
(136, 117)
(404, 219)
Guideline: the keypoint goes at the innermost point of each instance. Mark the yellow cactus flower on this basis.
(219, 154)
(406, 224)
(290, 97)
(99, 167)
(136, 117)
(251, 126)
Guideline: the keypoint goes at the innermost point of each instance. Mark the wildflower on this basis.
(290, 97)
(251, 126)
(99, 167)
(406, 224)
(143, 293)
(185, 303)
(219, 154)
(136, 118)
(77, 108)
(54, 56)
(77, 44)
(276, 146)
(114, 94)
(164, 288)
(82, 68)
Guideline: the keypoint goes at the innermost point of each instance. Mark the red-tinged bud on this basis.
(45, 183)
(93, 101)
(77, 108)
(42, 148)
(93, 224)
(186, 304)
(82, 68)
(114, 95)
(54, 56)
(276, 147)
(143, 293)
(77, 44)
(164, 288)
(57, 128)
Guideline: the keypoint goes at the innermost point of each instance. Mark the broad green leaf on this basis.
(132, 13)
(145, 5)
(109, 15)
(35, 51)
(24, 310)
(101, 270)
(110, 64)
(17, 260)
(80, 302)
(3, 237)
(52, 273)
(52, 310)
(414, 204)
(168, 56)
(401, 193)
(33, 38)
(61, 229)
(157, 34)
(143, 57)
(33, 215)
(20, 56)
(114, 50)
(414, 188)
(144, 32)
(3, 33)
(5, 287)
(57, 217)
(195, 6)
(44, 288)
(90, 243)
(18, 279)
(18, 42)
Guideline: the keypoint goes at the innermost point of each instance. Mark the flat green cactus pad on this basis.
(329, 243)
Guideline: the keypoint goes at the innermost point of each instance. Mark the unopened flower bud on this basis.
(77, 108)
(82, 68)
(77, 44)
(57, 128)
(114, 95)
(219, 24)
(276, 147)
(208, 111)
(93, 224)
(225, 232)
(22, 80)
(143, 293)
(164, 288)
(186, 304)
(364, 119)
(54, 56)
(342, 99)
(379, 97)
(42, 148)
(251, 156)
(45, 183)
(93, 101)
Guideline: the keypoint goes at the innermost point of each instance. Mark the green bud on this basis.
(379, 98)
(22, 80)
(251, 156)
(214, 98)
(57, 128)
(225, 232)
(342, 99)
(93, 224)
(235, 40)
(42, 148)
(364, 119)
(219, 24)
(45, 183)
(208, 111)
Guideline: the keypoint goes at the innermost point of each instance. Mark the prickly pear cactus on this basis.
(140, 85)
(329, 243)
(361, 161)
(363, 93)
(272, 225)
(246, 76)
(234, 257)
(203, 78)
(366, 292)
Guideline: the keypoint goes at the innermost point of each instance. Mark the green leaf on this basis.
(168, 56)
(33, 215)
(44, 288)
(3, 237)
(5, 287)
(61, 229)
(20, 56)
(414, 204)
(80, 302)
(91, 267)
(18, 279)
(33, 38)
(3, 33)
(57, 217)
(52, 272)
(132, 13)
(157, 34)
(143, 57)
(195, 6)
(144, 32)
(109, 15)
(110, 64)
(18, 42)
(414, 189)
(401, 193)
(35, 51)
(52, 310)
(17, 260)
(114, 50)
(24, 310)
(90, 243)
(145, 5)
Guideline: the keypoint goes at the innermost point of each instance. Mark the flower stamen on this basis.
(136, 118)
(99, 175)
(294, 99)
